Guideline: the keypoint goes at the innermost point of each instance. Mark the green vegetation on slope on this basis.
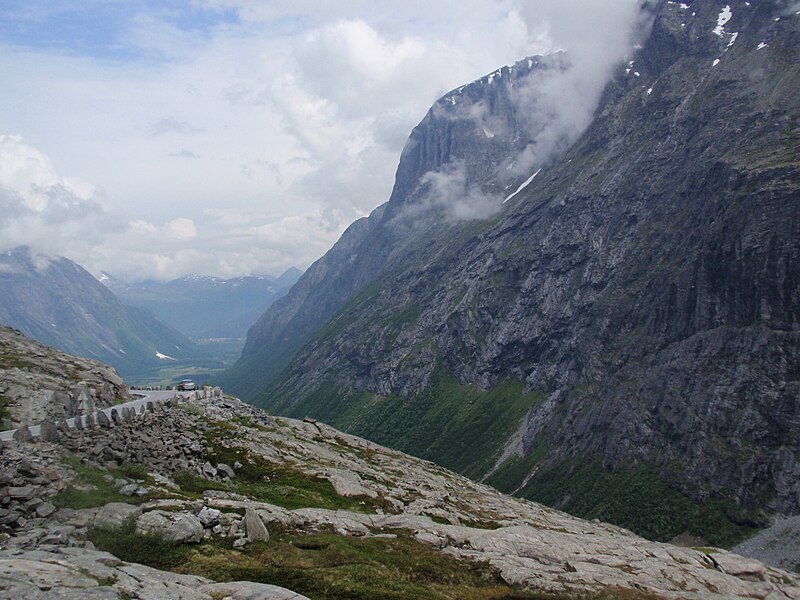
(268, 482)
(5, 414)
(512, 473)
(459, 426)
(92, 487)
(638, 499)
(328, 566)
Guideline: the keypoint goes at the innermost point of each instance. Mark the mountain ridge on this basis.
(58, 303)
(644, 290)
(203, 306)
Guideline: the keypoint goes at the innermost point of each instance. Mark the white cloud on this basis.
(248, 146)
(39, 208)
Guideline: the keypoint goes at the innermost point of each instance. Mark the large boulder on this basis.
(114, 514)
(249, 590)
(180, 527)
(256, 531)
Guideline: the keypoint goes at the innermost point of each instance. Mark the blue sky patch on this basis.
(98, 28)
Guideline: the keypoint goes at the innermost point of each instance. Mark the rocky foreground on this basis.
(222, 500)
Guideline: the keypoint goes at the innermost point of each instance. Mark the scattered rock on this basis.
(256, 531)
(208, 470)
(45, 509)
(209, 517)
(129, 489)
(226, 470)
(102, 419)
(23, 434)
(48, 432)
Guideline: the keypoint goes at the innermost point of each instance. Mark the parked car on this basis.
(186, 385)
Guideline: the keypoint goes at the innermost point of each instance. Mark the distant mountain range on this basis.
(206, 307)
(58, 303)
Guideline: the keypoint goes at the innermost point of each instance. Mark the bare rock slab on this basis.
(247, 590)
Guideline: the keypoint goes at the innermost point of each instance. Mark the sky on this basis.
(158, 138)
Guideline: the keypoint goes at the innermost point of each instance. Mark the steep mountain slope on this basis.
(207, 307)
(467, 139)
(58, 303)
(623, 339)
(38, 383)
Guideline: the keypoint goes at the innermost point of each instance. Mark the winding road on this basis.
(147, 396)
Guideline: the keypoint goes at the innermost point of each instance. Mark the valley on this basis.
(558, 359)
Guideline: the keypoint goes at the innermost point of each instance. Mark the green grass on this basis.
(638, 499)
(5, 413)
(510, 475)
(90, 489)
(459, 426)
(127, 545)
(267, 482)
(329, 566)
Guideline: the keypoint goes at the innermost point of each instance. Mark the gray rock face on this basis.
(115, 514)
(452, 135)
(646, 283)
(77, 573)
(41, 383)
(241, 590)
(180, 528)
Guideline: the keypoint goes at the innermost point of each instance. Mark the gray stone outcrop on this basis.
(180, 527)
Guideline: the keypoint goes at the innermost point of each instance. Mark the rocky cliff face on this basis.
(38, 383)
(625, 332)
(58, 303)
(465, 143)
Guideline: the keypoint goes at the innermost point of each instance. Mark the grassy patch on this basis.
(638, 499)
(706, 550)
(127, 545)
(5, 413)
(90, 488)
(248, 422)
(329, 566)
(275, 484)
